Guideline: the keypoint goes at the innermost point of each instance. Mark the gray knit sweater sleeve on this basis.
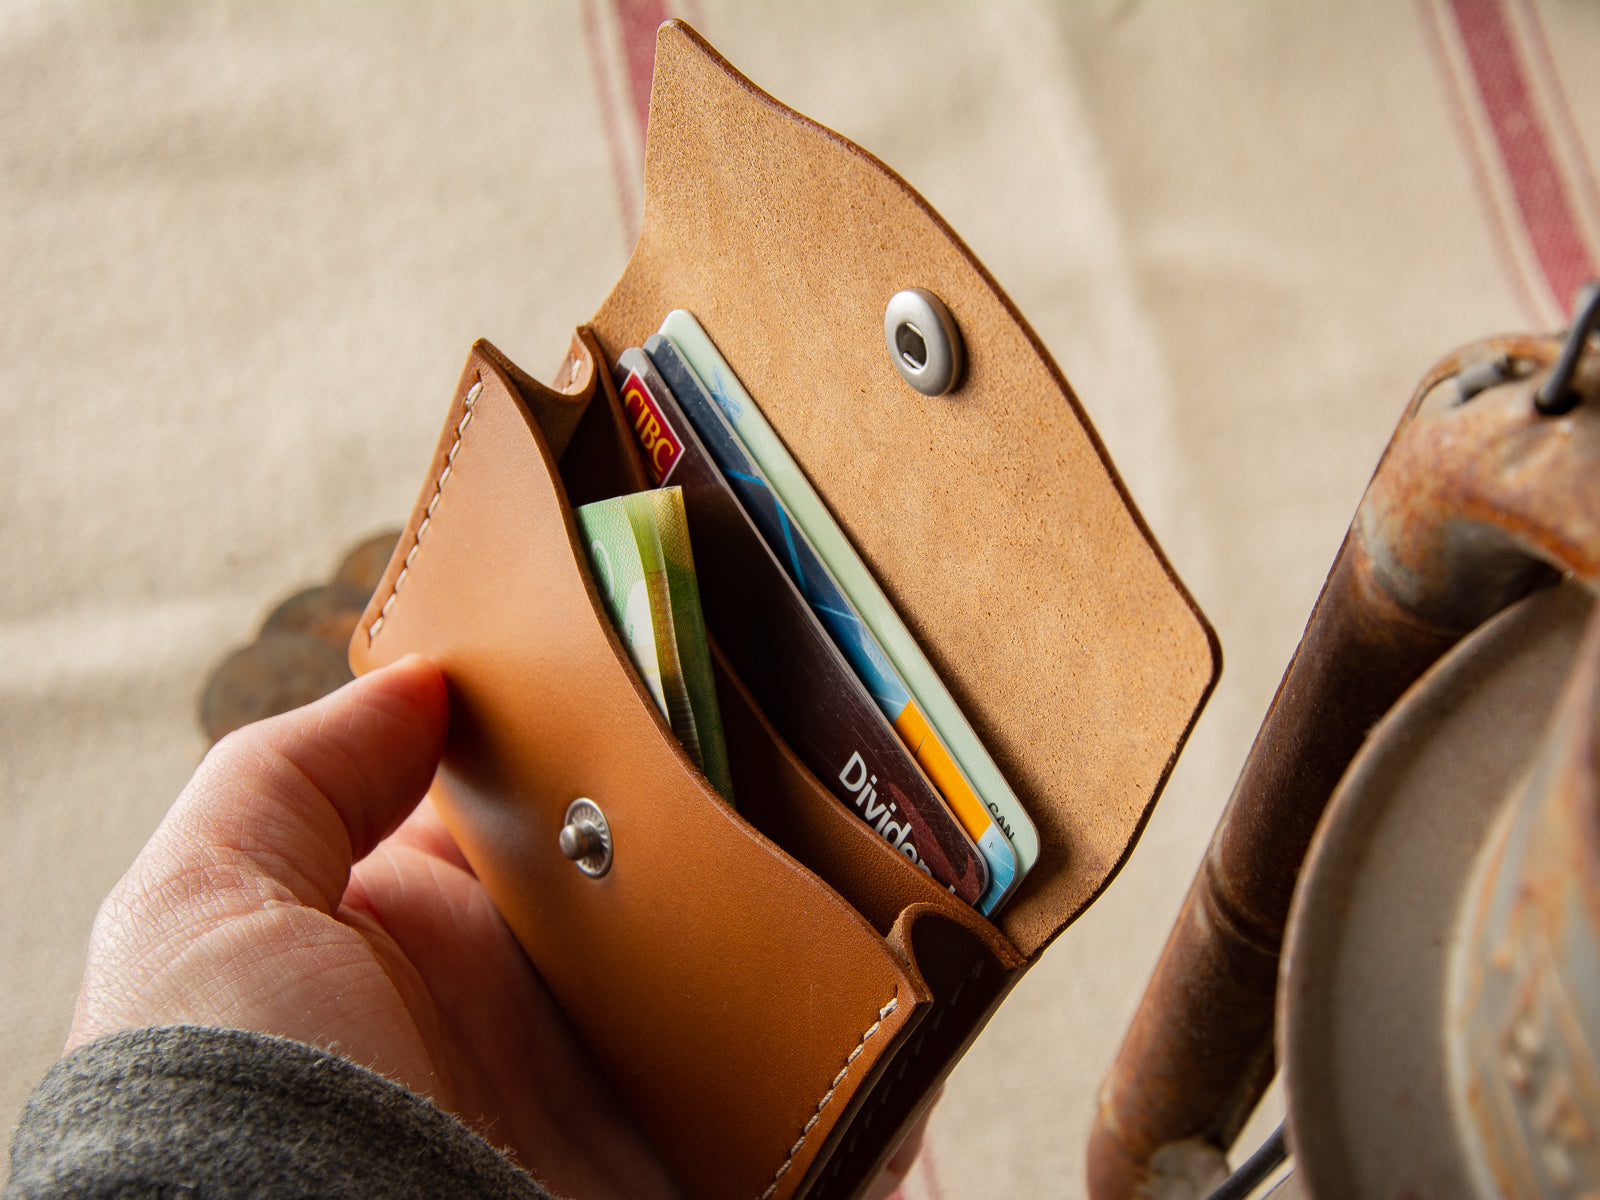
(219, 1113)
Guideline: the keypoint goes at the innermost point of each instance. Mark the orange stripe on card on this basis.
(941, 769)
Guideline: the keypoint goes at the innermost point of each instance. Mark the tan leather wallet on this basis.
(773, 990)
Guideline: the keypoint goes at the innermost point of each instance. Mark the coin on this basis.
(363, 567)
(272, 675)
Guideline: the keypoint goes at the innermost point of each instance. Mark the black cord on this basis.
(1254, 1169)
(1556, 395)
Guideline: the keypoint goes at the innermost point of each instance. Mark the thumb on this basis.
(303, 796)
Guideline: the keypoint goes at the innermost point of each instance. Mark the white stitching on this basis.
(823, 1103)
(905, 1062)
(427, 514)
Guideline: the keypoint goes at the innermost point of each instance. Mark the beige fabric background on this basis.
(245, 248)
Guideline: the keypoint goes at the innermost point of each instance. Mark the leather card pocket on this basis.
(734, 1001)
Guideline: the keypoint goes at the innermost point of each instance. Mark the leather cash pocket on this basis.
(735, 1001)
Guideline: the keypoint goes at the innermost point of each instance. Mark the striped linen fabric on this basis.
(246, 246)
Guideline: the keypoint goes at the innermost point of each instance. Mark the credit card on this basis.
(944, 716)
(785, 658)
(833, 608)
(639, 385)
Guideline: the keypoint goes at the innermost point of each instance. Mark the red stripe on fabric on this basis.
(1579, 166)
(1456, 106)
(639, 20)
(621, 174)
(1524, 147)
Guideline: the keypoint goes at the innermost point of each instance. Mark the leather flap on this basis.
(991, 517)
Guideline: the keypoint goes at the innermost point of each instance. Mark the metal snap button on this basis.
(923, 341)
(586, 838)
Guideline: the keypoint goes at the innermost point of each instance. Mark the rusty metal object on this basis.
(1374, 932)
(274, 673)
(1477, 501)
(299, 654)
(329, 612)
(363, 567)
(1523, 1007)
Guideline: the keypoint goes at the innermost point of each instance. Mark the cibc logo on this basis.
(660, 444)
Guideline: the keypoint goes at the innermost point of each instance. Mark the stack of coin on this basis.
(300, 653)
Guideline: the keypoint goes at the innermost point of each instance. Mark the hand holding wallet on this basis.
(775, 992)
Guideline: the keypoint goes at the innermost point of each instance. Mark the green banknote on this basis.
(639, 548)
